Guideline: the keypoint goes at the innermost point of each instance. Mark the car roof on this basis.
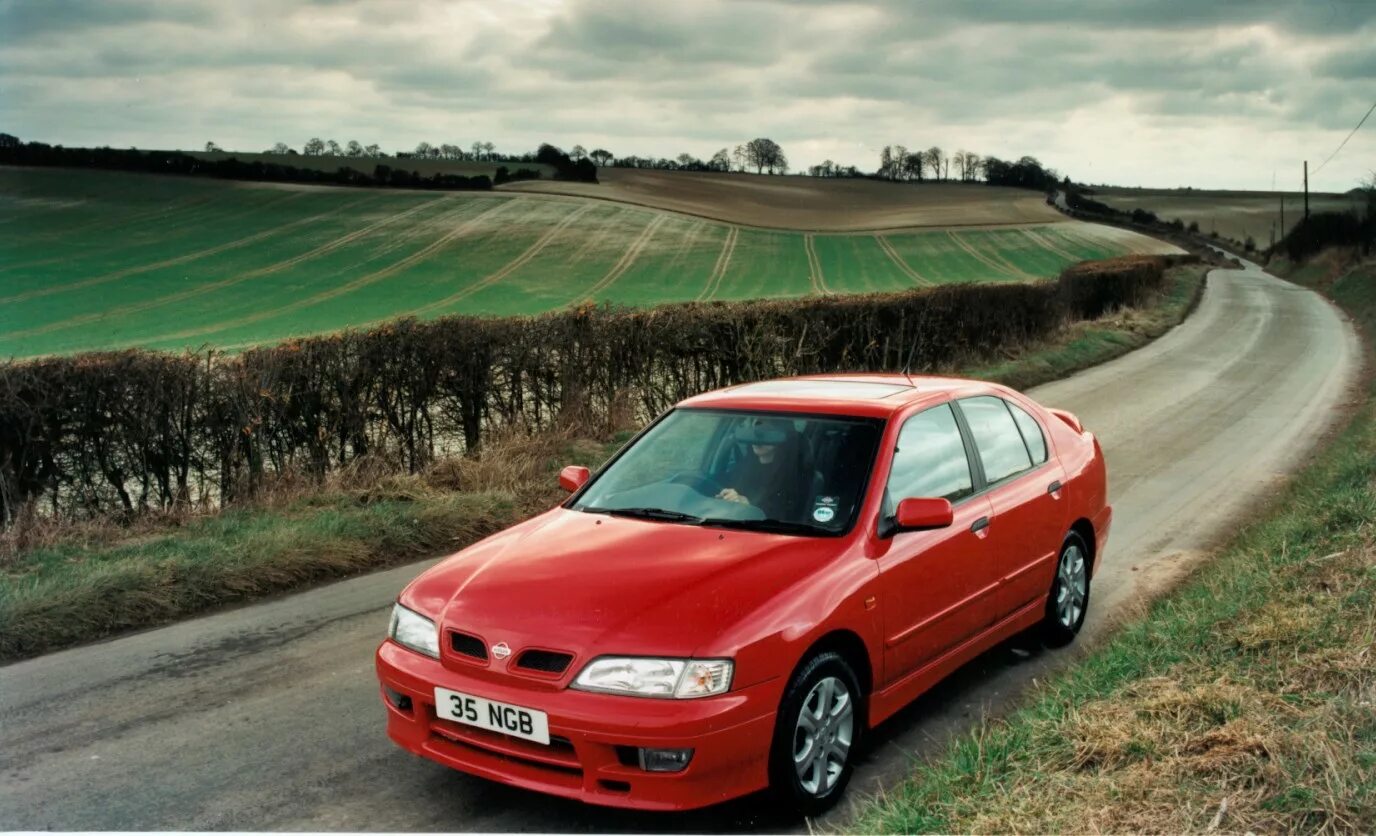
(870, 395)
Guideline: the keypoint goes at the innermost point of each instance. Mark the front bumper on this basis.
(730, 735)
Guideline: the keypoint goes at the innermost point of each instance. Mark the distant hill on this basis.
(809, 203)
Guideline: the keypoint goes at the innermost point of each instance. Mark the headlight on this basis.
(670, 678)
(415, 631)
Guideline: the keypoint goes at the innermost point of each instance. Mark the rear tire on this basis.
(818, 729)
(1068, 601)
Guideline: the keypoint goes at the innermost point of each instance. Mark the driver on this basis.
(767, 475)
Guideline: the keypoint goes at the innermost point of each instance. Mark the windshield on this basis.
(765, 471)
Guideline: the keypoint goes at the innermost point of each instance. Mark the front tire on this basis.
(1069, 599)
(818, 729)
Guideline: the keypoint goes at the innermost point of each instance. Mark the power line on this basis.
(1344, 142)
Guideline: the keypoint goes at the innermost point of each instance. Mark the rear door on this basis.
(1023, 485)
(935, 583)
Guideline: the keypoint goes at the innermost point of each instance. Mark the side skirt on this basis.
(885, 703)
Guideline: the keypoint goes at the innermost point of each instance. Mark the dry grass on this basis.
(1273, 740)
(72, 583)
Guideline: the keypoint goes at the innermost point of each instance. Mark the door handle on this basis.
(980, 525)
(1054, 488)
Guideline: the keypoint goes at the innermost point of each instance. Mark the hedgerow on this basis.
(118, 434)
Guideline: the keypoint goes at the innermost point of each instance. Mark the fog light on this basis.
(399, 701)
(665, 760)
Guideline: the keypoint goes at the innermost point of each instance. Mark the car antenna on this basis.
(908, 364)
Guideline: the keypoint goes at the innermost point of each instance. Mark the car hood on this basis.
(591, 584)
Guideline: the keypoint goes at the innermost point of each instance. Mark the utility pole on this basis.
(1306, 190)
(1282, 216)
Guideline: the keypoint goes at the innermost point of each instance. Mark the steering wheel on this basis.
(699, 482)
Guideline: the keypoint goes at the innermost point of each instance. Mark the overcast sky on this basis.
(1210, 93)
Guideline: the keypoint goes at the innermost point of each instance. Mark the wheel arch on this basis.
(850, 647)
(1085, 529)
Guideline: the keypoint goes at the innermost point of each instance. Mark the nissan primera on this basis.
(758, 578)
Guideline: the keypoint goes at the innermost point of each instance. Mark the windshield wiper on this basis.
(662, 514)
(768, 526)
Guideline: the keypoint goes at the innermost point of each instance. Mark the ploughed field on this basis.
(104, 260)
(1235, 215)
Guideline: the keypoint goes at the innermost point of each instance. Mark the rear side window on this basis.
(930, 460)
(1031, 432)
(997, 438)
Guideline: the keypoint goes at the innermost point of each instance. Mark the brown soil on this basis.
(809, 203)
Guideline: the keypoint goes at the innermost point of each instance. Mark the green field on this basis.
(95, 260)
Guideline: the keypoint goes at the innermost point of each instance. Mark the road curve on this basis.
(267, 716)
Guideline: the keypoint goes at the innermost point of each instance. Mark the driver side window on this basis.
(682, 446)
(930, 460)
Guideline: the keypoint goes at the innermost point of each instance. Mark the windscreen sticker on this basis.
(825, 511)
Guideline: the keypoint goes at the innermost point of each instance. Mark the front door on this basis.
(935, 583)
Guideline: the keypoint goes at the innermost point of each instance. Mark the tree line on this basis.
(232, 168)
(761, 156)
(896, 162)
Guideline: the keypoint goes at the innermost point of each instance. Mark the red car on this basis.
(758, 578)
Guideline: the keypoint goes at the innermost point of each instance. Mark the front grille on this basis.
(467, 645)
(559, 755)
(544, 661)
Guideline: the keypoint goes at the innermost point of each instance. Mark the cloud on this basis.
(1107, 91)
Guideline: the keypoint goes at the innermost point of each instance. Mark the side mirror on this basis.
(918, 514)
(573, 477)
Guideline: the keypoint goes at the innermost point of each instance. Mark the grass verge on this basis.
(80, 583)
(1243, 701)
(1085, 344)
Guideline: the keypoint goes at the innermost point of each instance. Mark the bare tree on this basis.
(721, 161)
(912, 166)
(738, 155)
(373, 150)
(933, 161)
(600, 156)
(314, 147)
(353, 149)
(423, 149)
(765, 153)
(578, 152)
(490, 150)
(334, 148)
(971, 166)
(900, 162)
(280, 148)
(211, 147)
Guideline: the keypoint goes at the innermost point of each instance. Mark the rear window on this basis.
(1031, 432)
(1002, 451)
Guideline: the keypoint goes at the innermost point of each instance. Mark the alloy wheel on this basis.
(1073, 587)
(823, 735)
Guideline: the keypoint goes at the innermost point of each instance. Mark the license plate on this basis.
(525, 723)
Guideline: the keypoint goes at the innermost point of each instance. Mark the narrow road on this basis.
(267, 717)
